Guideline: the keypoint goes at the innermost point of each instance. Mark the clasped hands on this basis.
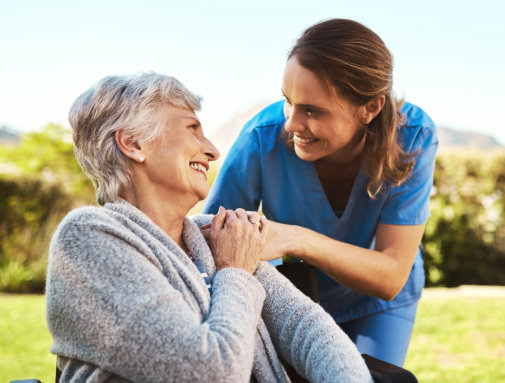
(237, 240)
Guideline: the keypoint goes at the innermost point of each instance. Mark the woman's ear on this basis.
(373, 108)
(129, 146)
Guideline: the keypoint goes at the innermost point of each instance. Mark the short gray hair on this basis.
(127, 103)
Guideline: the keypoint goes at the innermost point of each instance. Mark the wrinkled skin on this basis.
(235, 241)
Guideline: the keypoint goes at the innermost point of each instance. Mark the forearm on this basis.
(305, 335)
(162, 332)
(221, 348)
(370, 272)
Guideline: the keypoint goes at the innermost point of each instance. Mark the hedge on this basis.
(464, 240)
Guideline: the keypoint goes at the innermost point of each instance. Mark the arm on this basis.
(305, 335)
(381, 272)
(110, 304)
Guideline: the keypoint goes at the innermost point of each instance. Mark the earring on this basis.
(141, 159)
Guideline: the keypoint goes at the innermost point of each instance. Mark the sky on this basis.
(449, 55)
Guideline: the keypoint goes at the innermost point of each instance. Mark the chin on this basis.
(306, 156)
(201, 195)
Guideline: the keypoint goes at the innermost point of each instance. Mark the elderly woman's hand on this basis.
(236, 241)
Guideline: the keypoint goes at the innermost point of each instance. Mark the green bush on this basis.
(40, 181)
(29, 212)
(464, 239)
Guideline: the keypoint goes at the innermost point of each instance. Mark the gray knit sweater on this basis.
(125, 303)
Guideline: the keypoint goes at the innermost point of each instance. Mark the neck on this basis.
(160, 208)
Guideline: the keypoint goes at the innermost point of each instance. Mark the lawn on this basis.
(459, 340)
(455, 340)
(24, 339)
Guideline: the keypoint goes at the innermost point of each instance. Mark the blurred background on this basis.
(449, 59)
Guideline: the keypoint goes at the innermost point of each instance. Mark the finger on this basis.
(242, 215)
(264, 226)
(219, 219)
(255, 218)
(205, 227)
(230, 216)
(206, 232)
(254, 215)
(251, 213)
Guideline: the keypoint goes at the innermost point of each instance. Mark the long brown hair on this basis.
(353, 59)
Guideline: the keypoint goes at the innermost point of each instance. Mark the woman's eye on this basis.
(310, 112)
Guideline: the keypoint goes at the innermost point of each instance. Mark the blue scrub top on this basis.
(261, 168)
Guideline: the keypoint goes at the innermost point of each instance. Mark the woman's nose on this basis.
(293, 123)
(210, 150)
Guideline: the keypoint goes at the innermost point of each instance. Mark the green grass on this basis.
(459, 340)
(24, 339)
(455, 340)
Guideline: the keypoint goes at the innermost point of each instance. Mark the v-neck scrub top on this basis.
(261, 168)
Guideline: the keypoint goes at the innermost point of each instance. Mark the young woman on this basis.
(352, 168)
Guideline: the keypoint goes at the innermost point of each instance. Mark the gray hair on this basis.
(128, 103)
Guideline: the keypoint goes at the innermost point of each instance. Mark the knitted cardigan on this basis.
(125, 303)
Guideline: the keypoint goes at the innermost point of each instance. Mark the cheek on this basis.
(323, 131)
(337, 131)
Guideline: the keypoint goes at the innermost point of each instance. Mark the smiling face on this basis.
(323, 124)
(176, 163)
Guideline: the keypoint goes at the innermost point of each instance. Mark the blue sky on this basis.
(449, 55)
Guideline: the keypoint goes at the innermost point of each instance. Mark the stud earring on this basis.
(141, 159)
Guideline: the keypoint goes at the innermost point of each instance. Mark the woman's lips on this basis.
(302, 141)
(199, 167)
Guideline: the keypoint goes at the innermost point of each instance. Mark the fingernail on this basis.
(220, 209)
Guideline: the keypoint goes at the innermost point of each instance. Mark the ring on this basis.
(257, 223)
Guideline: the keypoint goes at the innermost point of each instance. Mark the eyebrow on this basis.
(315, 107)
(308, 106)
(194, 119)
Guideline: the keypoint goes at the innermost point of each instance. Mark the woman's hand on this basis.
(236, 241)
(281, 240)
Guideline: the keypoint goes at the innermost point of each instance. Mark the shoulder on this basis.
(261, 133)
(415, 116)
(271, 116)
(85, 223)
(76, 223)
(86, 215)
(418, 130)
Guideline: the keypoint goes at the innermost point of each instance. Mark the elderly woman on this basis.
(134, 293)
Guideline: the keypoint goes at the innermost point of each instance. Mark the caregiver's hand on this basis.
(282, 240)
